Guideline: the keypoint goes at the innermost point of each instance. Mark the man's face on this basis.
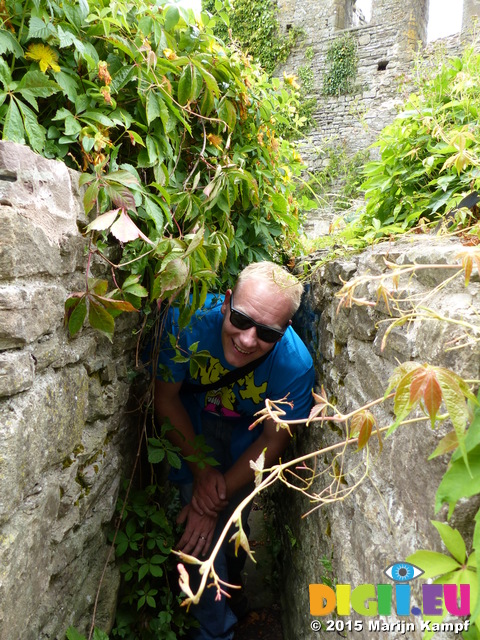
(263, 303)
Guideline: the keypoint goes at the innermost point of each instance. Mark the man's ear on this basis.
(226, 302)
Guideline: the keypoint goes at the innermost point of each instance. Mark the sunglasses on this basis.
(243, 322)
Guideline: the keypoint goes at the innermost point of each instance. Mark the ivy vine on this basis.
(342, 63)
(254, 24)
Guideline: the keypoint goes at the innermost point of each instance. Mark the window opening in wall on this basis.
(382, 65)
(444, 19)
(362, 12)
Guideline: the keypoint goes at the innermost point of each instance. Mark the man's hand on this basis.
(198, 533)
(209, 492)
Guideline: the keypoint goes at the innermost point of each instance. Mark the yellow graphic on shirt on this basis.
(223, 401)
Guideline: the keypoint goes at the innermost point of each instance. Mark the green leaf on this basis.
(90, 196)
(152, 107)
(73, 634)
(186, 86)
(100, 319)
(174, 460)
(472, 439)
(38, 29)
(73, 127)
(5, 75)
(447, 443)
(155, 213)
(122, 78)
(210, 81)
(97, 116)
(37, 84)
(476, 562)
(456, 406)
(98, 286)
(457, 482)
(8, 43)
(136, 290)
(68, 84)
(170, 279)
(453, 540)
(228, 113)
(77, 317)
(207, 103)
(155, 455)
(13, 124)
(172, 16)
(194, 241)
(142, 572)
(433, 563)
(151, 602)
(35, 132)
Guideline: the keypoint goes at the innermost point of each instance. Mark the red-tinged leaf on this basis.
(100, 319)
(447, 443)
(98, 286)
(124, 177)
(77, 317)
(467, 264)
(417, 384)
(121, 196)
(125, 230)
(362, 423)
(104, 221)
(111, 303)
(364, 435)
(432, 395)
(73, 300)
(317, 410)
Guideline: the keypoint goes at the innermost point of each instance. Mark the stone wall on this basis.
(388, 516)
(65, 439)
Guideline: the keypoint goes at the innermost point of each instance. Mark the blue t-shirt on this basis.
(288, 369)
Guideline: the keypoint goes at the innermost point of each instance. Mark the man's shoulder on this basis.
(292, 354)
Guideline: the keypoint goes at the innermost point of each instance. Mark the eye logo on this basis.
(403, 572)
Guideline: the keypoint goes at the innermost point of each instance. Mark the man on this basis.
(248, 333)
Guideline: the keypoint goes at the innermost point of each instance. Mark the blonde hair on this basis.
(290, 287)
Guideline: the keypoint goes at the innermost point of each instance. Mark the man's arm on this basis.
(240, 474)
(209, 491)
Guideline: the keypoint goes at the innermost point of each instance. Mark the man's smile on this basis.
(240, 350)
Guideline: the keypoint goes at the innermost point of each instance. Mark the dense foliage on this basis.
(176, 135)
(254, 24)
(341, 71)
(430, 154)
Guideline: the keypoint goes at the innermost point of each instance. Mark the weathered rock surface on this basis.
(65, 436)
(388, 516)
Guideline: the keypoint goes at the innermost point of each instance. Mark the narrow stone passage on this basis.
(263, 619)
